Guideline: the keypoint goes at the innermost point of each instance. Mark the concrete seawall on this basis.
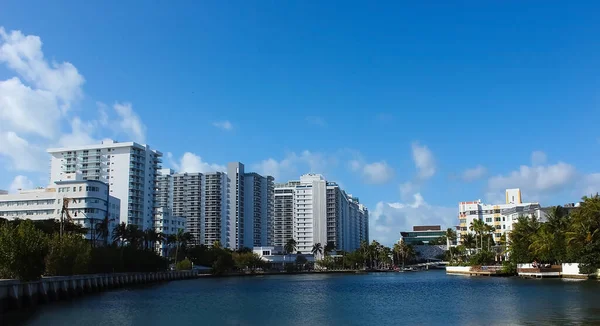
(15, 294)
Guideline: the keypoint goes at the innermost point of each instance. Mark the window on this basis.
(498, 219)
(80, 187)
(488, 220)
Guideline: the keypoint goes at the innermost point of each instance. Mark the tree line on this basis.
(568, 236)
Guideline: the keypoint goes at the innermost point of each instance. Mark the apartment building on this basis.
(258, 210)
(284, 199)
(235, 218)
(500, 216)
(128, 168)
(313, 210)
(214, 226)
(88, 203)
(188, 202)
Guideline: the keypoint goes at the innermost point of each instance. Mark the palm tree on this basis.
(151, 238)
(489, 230)
(290, 246)
(102, 230)
(450, 237)
(542, 243)
(329, 247)
(317, 249)
(134, 235)
(469, 241)
(403, 250)
(120, 234)
(478, 226)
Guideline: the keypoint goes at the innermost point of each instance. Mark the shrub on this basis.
(68, 255)
(22, 251)
(483, 257)
(184, 265)
(509, 267)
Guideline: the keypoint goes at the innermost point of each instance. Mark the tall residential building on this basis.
(501, 216)
(214, 227)
(284, 212)
(188, 202)
(88, 203)
(235, 217)
(258, 210)
(165, 220)
(128, 168)
(319, 212)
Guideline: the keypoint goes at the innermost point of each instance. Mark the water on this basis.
(431, 298)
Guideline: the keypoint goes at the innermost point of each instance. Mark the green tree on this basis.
(290, 246)
(583, 237)
(69, 255)
(329, 247)
(478, 227)
(521, 238)
(120, 234)
(317, 249)
(22, 251)
(183, 265)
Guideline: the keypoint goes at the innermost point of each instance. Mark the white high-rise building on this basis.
(88, 203)
(284, 212)
(165, 221)
(128, 168)
(313, 210)
(235, 217)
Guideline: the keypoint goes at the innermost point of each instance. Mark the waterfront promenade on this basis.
(14, 294)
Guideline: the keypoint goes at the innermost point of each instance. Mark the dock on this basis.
(476, 270)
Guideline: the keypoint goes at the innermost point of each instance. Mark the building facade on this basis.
(258, 210)
(500, 216)
(214, 226)
(188, 202)
(235, 224)
(422, 234)
(313, 210)
(88, 204)
(284, 212)
(128, 168)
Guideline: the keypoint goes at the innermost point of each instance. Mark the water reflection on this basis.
(399, 298)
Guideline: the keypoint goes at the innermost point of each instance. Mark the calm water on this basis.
(432, 298)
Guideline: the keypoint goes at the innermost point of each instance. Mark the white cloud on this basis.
(590, 184)
(34, 106)
(30, 111)
(193, 163)
(295, 164)
(317, 121)
(225, 125)
(474, 173)
(80, 134)
(536, 179)
(538, 158)
(131, 123)
(377, 172)
(22, 155)
(23, 54)
(389, 219)
(20, 182)
(424, 161)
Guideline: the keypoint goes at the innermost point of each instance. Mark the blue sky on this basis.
(411, 107)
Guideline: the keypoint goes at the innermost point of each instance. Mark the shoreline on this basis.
(16, 295)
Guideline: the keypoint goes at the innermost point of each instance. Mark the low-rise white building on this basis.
(88, 203)
(276, 256)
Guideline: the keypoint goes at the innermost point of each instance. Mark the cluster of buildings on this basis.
(125, 183)
(500, 217)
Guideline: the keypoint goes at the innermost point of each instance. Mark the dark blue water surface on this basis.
(430, 298)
